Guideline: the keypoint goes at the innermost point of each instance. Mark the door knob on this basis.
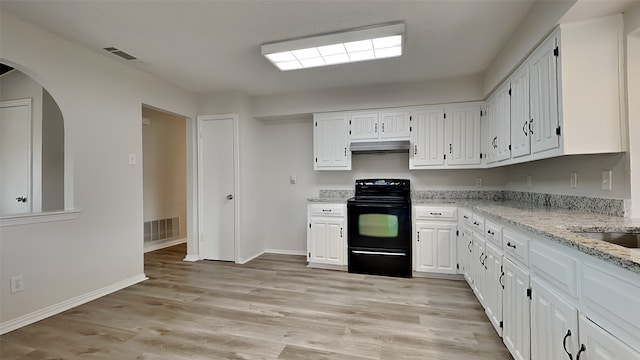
(229, 197)
(21, 199)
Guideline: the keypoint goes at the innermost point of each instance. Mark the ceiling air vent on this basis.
(120, 53)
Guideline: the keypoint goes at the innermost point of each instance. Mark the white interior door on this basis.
(216, 183)
(15, 157)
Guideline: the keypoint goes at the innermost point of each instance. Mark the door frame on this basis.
(236, 179)
(31, 181)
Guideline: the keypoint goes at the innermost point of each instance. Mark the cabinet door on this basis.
(554, 325)
(331, 142)
(600, 345)
(327, 241)
(465, 252)
(487, 125)
(364, 126)
(520, 144)
(502, 133)
(428, 138)
(436, 248)
(395, 125)
(543, 92)
(462, 129)
(477, 262)
(516, 332)
(493, 286)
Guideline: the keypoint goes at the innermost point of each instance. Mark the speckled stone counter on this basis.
(559, 225)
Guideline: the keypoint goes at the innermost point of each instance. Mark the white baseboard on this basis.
(244, 261)
(191, 258)
(48, 311)
(417, 274)
(286, 252)
(157, 245)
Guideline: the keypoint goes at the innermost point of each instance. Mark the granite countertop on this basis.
(328, 200)
(560, 225)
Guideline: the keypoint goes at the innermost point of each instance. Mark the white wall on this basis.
(288, 150)
(367, 97)
(250, 199)
(16, 85)
(632, 30)
(541, 19)
(164, 167)
(552, 175)
(52, 154)
(101, 100)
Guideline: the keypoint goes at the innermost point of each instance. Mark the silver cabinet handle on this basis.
(382, 127)
(375, 128)
(229, 197)
(436, 214)
(21, 199)
(415, 149)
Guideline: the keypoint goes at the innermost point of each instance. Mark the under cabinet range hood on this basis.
(372, 147)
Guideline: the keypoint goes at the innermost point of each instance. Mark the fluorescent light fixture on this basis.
(368, 43)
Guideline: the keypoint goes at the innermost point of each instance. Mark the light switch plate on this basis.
(529, 180)
(132, 159)
(573, 182)
(292, 179)
(479, 182)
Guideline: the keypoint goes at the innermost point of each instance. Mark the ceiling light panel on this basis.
(374, 42)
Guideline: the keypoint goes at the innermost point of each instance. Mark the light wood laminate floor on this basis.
(274, 307)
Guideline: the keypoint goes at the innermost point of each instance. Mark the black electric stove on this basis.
(379, 228)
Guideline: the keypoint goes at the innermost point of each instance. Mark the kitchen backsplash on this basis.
(615, 207)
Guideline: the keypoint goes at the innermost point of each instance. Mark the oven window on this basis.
(378, 225)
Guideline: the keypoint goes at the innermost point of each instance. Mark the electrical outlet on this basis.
(573, 182)
(606, 180)
(479, 182)
(529, 180)
(17, 283)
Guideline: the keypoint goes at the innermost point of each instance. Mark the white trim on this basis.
(286, 252)
(157, 245)
(191, 258)
(48, 311)
(427, 275)
(236, 178)
(243, 261)
(34, 218)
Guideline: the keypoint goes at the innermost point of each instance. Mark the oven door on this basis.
(380, 226)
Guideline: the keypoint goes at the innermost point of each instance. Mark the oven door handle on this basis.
(378, 253)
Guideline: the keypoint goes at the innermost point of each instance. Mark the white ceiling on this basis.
(207, 46)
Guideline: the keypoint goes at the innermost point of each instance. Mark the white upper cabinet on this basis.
(462, 135)
(499, 117)
(543, 85)
(427, 142)
(331, 142)
(364, 126)
(395, 125)
(383, 125)
(520, 110)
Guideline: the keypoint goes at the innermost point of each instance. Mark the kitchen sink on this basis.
(628, 240)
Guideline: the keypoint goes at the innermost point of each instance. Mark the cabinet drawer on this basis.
(477, 223)
(493, 233)
(327, 210)
(611, 299)
(516, 246)
(435, 213)
(466, 216)
(555, 265)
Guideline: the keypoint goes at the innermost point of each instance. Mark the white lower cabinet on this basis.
(598, 344)
(554, 325)
(326, 235)
(434, 239)
(477, 264)
(516, 310)
(493, 286)
(465, 251)
(435, 248)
